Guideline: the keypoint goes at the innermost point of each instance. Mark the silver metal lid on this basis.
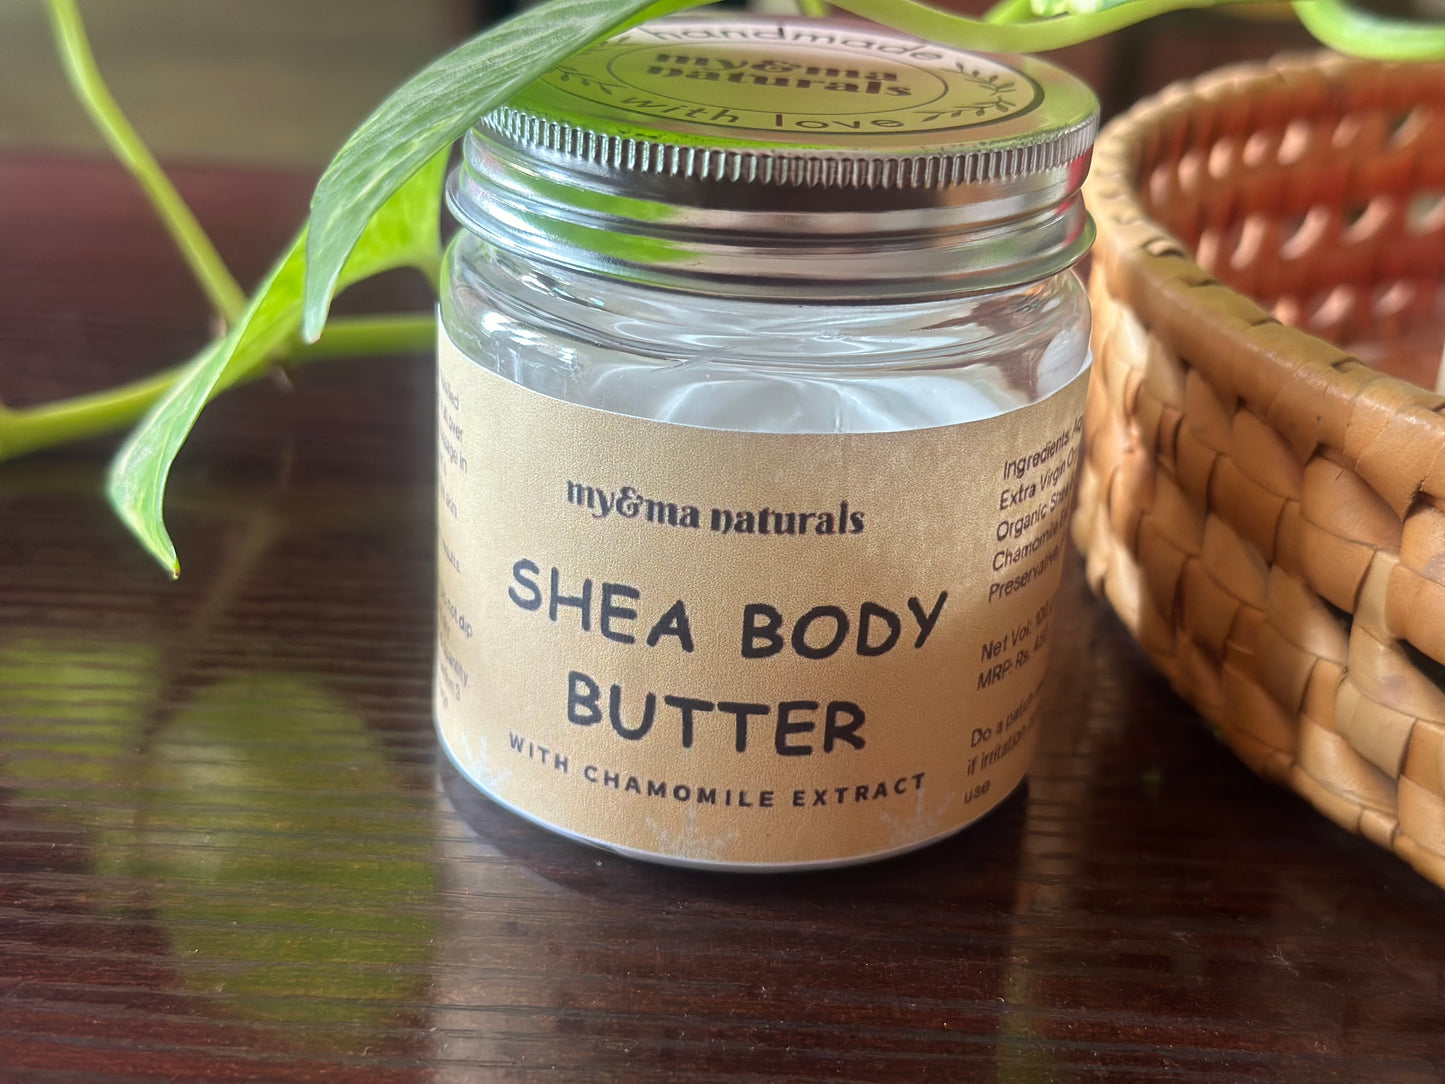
(787, 157)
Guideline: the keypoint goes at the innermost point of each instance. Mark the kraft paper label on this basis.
(735, 648)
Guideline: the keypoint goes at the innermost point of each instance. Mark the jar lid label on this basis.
(794, 77)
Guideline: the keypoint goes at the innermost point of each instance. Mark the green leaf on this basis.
(403, 232)
(434, 108)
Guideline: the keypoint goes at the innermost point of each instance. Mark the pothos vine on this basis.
(377, 205)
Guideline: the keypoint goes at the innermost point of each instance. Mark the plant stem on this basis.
(1009, 11)
(1366, 34)
(1035, 36)
(85, 79)
(32, 429)
(29, 429)
(356, 336)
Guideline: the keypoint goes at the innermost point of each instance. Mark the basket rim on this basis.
(1392, 432)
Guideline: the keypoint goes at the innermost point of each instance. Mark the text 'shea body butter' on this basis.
(762, 373)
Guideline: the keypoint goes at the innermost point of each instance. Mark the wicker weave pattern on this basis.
(1265, 511)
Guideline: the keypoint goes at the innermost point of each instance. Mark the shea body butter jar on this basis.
(761, 382)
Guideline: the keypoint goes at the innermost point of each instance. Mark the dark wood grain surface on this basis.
(228, 850)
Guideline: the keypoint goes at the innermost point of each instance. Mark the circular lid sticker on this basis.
(803, 79)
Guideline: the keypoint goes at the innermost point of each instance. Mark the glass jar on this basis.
(760, 394)
(762, 365)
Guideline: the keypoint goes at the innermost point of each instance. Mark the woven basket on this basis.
(1263, 501)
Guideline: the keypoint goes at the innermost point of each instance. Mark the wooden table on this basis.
(229, 851)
